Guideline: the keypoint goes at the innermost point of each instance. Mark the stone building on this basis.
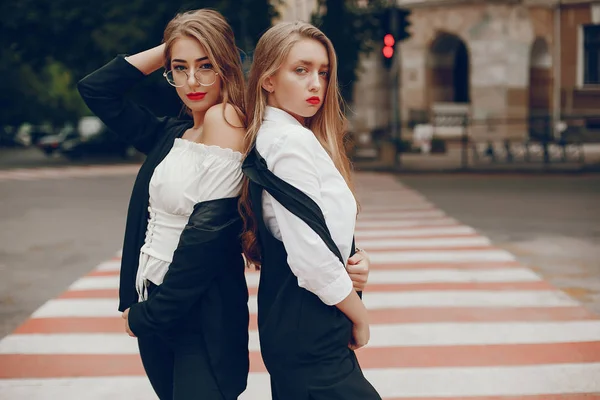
(500, 62)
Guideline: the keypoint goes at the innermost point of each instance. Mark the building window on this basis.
(591, 55)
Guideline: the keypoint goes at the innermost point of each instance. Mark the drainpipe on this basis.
(557, 71)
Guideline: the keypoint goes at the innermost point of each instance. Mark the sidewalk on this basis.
(453, 317)
(452, 161)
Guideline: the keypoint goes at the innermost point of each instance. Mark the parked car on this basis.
(28, 134)
(95, 139)
(51, 143)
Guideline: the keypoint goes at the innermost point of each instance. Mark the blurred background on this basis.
(474, 127)
(468, 84)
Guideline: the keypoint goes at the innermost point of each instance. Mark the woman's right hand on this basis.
(361, 334)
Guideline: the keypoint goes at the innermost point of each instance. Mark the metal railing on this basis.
(466, 143)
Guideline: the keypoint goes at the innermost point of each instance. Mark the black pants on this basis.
(177, 365)
(339, 379)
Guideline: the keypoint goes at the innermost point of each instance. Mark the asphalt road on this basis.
(550, 222)
(53, 231)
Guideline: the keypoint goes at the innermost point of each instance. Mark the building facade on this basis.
(497, 60)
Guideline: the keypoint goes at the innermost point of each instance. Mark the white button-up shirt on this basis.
(294, 154)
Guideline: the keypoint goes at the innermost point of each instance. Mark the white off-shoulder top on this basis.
(190, 173)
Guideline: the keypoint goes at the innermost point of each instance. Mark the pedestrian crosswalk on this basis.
(453, 317)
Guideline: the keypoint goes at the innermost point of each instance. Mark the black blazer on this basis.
(205, 288)
(297, 330)
(104, 92)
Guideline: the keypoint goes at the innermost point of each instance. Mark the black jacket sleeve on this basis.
(207, 243)
(104, 93)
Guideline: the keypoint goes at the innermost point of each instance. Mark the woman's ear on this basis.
(268, 85)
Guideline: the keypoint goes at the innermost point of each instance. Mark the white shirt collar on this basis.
(278, 115)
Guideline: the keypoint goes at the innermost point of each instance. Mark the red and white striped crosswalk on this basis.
(453, 317)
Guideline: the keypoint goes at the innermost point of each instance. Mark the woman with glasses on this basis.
(182, 290)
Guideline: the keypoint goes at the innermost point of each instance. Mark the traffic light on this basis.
(388, 49)
(394, 24)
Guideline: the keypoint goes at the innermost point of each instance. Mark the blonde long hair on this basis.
(328, 124)
(213, 32)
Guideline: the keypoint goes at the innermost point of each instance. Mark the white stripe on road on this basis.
(362, 225)
(377, 195)
(401, 215)
(457, 382)
(475, 298)
(400, 199)
(476, 241)
(428, 256)
(81, 343)
(468, 334)
(362, 234)
(93, 343)
(95, 282)
(378, 209)
(392, 335)
(374, 300)
(400, 276)
(453, 276)
(463, 382)
(109, 266)
(78, 308)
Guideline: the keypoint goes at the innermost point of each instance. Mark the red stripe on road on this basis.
(16, 366)
(90, 294)
(479, 314)
(437, 265)
(404, 218)
(469, 286)
(425, 250)
(418, 207)
(20, 366)
(97, 273)
(393, 229)
(373, 287)
(391, 266)
(377, 317)
(72, 325)
(104, 273)
(79, 365)
(570, 396)
(479, 355)
(390, 236)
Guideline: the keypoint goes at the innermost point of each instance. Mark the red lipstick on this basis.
(314, 100)
(196, 96)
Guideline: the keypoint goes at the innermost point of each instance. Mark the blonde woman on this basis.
(300, 213)
(182, 288)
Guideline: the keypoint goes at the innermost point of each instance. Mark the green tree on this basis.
(47, 46)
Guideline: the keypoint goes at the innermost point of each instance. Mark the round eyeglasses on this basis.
(178, 78)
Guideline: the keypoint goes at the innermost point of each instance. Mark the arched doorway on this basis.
(448, 70)
(540, 88)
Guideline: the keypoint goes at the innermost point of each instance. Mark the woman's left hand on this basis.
(358, 269)
(125, 316)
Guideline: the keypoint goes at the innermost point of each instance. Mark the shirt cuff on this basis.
(337, 290)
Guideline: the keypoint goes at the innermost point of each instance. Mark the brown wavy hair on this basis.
(213, 32)
(328, 124)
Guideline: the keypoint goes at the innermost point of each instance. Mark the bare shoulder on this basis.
(223, 127)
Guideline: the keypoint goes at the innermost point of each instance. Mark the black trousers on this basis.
(338, 379)
(177, 365)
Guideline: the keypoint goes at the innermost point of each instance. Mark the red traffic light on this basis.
(388, 52)
(389, 40)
